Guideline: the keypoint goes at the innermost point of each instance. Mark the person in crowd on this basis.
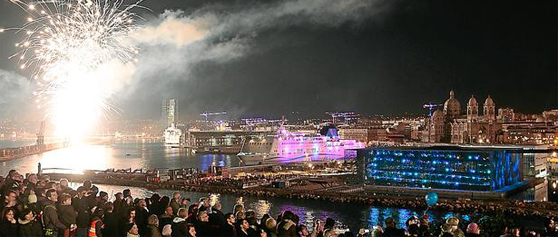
(229, 228)
(67, 214)
(216, 216)
(81, 206)
(167, 231)
(261, 233)
(515, 232)
(9, 200)
(176, 202)
(192, 213)
(50, 215)
(271, 227)
(191, 230)
(329, 227)
(472, 230)
(454, 223)
(302, 231)
(8, 224)
(29, 226)
(126, 224)
(184, 202)
(244, 229)
(391, 229)
(446, 230)
(64, 188)
(155, 205)
(179, 224)
(96, 226)
(424, 227)
(166, 218)
(119, 204)
(110, 221)
(133, 231)
(142, 213)
(414, 230)
(102, 199)
(32, 181)
(153, 226)
(287, 226)
(203, 228)
(163, 204)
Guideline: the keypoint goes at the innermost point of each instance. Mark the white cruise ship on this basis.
(172, 137)
(286, 147)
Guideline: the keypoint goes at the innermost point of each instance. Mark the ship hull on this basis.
(259, 159)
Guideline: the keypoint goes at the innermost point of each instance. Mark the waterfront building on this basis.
(357, 134)
(455, 168)
(528, 133)
(169, 112)
(505, 115)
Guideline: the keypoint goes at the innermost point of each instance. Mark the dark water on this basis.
(352, 216)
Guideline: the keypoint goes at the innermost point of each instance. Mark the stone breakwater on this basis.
(7, 154)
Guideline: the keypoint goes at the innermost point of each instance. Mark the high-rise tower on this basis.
(170, 112)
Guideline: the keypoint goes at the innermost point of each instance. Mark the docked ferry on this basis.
(286, 147)
(172, 137)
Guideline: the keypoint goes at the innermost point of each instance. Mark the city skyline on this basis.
(373, 57)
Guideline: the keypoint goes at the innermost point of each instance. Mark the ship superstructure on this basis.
(285, 147)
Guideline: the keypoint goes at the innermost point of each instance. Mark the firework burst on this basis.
(68, 46)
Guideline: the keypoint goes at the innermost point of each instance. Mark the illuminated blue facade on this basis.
(456, 168)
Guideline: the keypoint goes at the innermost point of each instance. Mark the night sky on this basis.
(389, 57)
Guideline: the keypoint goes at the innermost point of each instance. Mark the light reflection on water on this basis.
(118, 156)
(353, 216)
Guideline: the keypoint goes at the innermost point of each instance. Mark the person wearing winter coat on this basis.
(8, 224)
(153, 226)
(50, 214)
(67, 214)
(179, 224)
(29, 226)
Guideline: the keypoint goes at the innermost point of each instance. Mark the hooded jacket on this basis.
(179, 227)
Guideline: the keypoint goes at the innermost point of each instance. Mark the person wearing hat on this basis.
(472, 230)
(454, 223)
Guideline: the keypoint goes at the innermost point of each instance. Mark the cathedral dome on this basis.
(452, 107)
(472, 101)
(488, 101)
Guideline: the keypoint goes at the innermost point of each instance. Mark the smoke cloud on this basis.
(175, 43)
(16, 95)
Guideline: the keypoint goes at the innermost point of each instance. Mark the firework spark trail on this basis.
(66, 45)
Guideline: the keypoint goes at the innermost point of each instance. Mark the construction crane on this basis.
(346, 115)
(430, 106)
(41, 135)
(207, 114)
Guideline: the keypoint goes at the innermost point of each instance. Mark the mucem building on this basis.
(442, 167)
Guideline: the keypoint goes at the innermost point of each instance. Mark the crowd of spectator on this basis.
(37, 206)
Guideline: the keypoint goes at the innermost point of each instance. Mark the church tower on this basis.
(489, 111)
(472, 109)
